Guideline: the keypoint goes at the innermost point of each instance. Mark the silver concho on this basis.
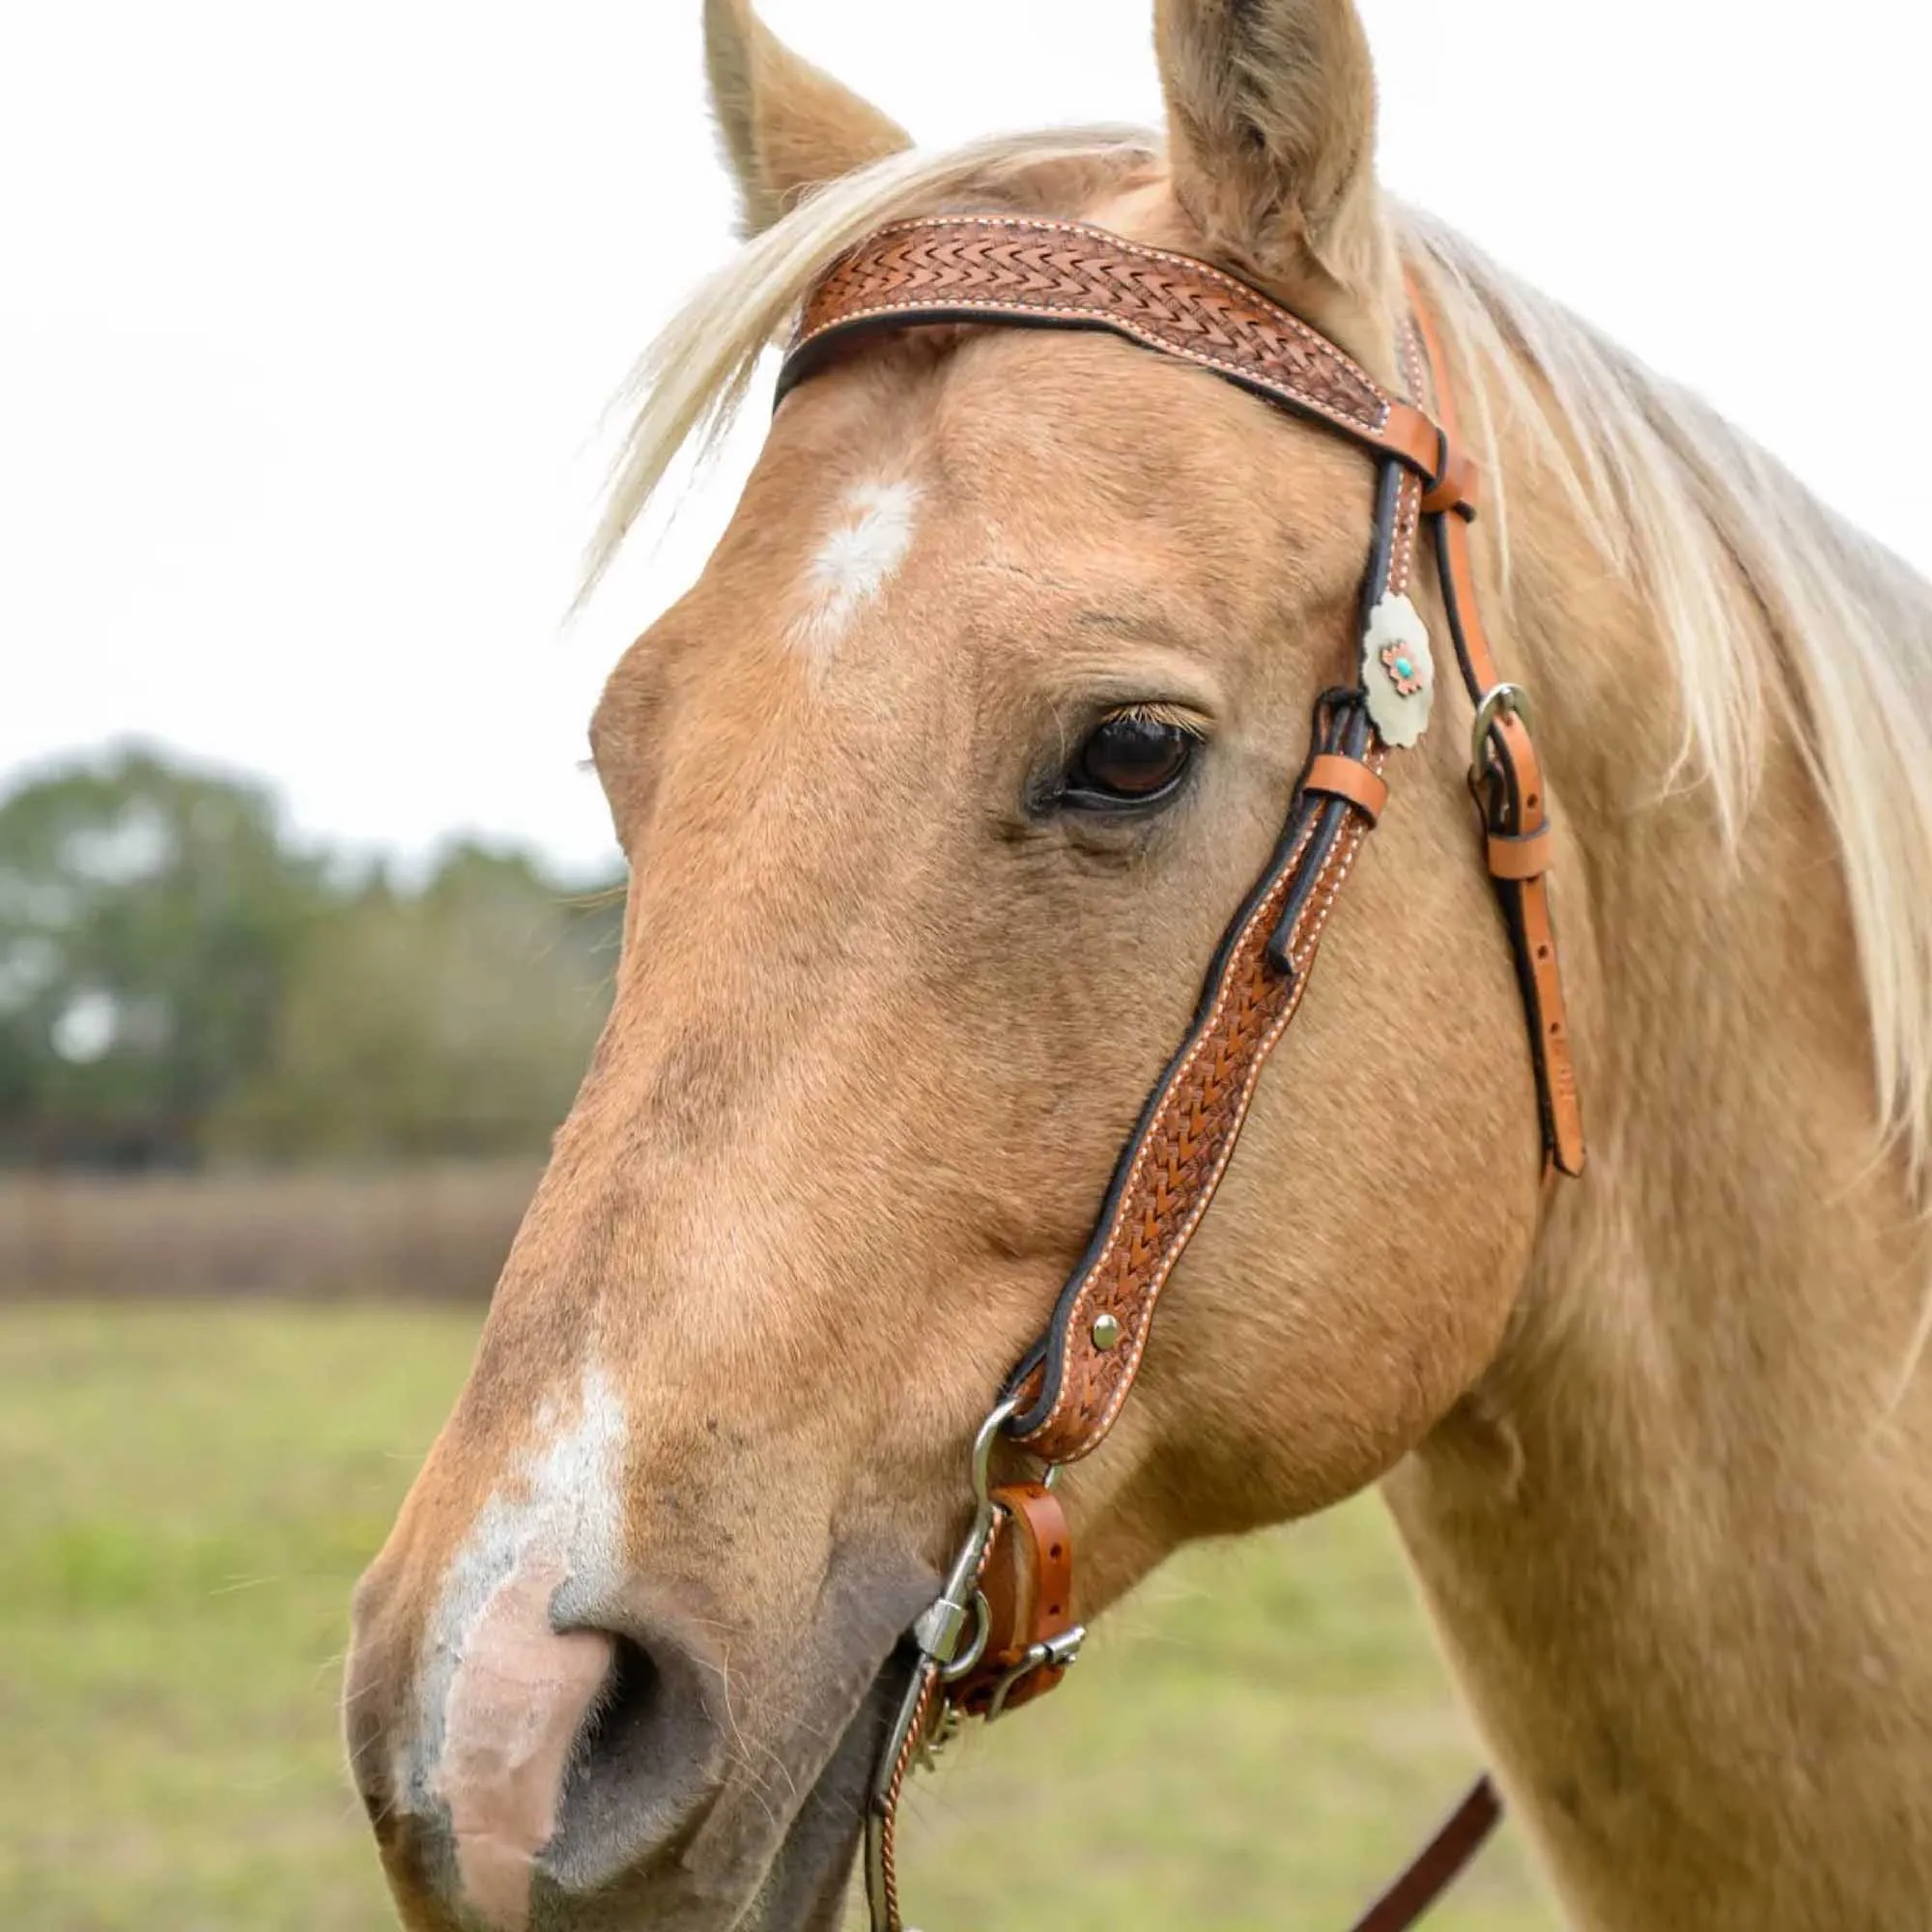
(1398, 672)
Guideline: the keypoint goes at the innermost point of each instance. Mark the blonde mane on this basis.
(1772, 605)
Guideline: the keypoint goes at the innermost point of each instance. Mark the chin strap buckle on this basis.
(1057, 1654)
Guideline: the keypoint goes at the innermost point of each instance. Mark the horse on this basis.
(937, 790)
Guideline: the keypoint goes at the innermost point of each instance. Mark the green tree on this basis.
(149, 915)
(454, 1020)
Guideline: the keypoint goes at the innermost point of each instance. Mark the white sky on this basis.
(307, 315)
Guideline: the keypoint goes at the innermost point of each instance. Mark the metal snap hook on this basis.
(990, 1432)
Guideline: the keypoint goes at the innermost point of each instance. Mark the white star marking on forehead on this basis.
(854, 564)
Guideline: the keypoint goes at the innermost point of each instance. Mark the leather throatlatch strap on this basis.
(1060, 274)
(1515, 803)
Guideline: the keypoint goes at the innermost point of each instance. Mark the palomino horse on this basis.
(938, 790)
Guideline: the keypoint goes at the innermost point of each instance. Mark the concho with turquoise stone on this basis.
(1398, 672)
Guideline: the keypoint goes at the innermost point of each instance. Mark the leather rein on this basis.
(1002, 1632)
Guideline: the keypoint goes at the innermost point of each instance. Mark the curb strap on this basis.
(1000, 1632)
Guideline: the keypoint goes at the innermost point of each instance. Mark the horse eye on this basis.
(1131, 758)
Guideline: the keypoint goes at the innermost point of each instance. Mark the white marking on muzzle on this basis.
(499, 1692)
(854, 564)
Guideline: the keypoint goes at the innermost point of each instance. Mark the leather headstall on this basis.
(1002, 1632)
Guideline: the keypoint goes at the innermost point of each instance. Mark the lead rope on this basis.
(883, 1850)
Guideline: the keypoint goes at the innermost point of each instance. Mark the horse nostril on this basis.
(619, 1723)
(647, 1758)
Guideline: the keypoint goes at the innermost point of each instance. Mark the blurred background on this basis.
(308, 911)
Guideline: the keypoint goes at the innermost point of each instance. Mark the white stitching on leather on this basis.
(1320, 903)
(1341, 864)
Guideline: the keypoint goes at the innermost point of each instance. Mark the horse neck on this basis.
(1679, 1542)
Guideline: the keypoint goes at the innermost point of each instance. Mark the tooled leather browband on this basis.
(1065, 275)
(1067, 1393)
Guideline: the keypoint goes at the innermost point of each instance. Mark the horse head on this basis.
(939, 788)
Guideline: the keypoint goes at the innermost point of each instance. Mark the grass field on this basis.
(187, 1491)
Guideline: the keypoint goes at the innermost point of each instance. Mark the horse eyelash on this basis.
(1159, 712)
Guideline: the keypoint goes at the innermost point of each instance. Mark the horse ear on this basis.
(1271, 129)
(786, 126)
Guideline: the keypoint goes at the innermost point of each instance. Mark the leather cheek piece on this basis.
(1184, 1145)
(1414, 439)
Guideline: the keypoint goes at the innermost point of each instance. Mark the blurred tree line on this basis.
(181, 982)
